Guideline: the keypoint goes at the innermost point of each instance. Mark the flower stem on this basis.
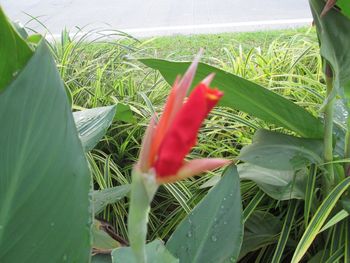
(328, 131)
(141, 195)
(347, 148)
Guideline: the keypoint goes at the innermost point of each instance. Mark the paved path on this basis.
(162, 17)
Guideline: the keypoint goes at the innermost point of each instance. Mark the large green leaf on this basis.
(319, 219)
(92, 124)
(102, 241)
(279, 184)
(247, 96)
(334, 37)
(261, 229)
(14, 51)
(45, 212)
(278, 151)
(101, 258)
(155, 251)
(213, 231)
(102, 198)
(344, 6)
(124, 113)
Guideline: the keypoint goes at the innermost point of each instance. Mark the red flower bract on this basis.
(182, 133)
(167, 142)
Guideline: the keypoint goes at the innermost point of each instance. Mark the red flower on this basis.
(165, 145)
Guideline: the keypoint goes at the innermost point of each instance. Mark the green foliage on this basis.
(260, 230)
(101, 258)
(281, 152)
(104, 197)
(102, 241)
(14, 51)
(319, 218)
(333, 34)
(103, 74)
(156, 253)
(92, 124)
(247, 96)
(344, 7)
(279, 184)
(44, 174)
(284, 236)
(213, 236)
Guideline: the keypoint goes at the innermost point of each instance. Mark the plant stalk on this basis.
(347, 148)
(328, 131)
(143, 188)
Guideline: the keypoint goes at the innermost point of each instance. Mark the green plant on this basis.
(294, 176)
(281, 154)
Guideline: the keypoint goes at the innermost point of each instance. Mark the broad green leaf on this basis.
(319, 218)
(34, 39)
(278, 151)
(155, 251)
(247, 96)
(21, 31)
(45, 213)
(344, 6)
(279, 184)
(124, 113)
(102, 241)
(213, 231)
(92, 124)
(334, 38)
(211, 182)
(261, 229)
(101, 258)
(14, 52)
(339, 127)
(102, 198)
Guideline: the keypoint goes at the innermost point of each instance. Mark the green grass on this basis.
(185, 46)
(100, 74)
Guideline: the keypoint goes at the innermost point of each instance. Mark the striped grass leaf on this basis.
(347, 240)
(342, 214)
(336, 255)
(287, 226)
(309, 193)
(318, 219)
(252, 205)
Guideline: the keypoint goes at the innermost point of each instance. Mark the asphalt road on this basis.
(161, 17)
